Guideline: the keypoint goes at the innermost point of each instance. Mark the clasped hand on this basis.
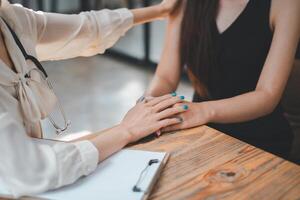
(152, 115)
(196, 115)
(166, 113)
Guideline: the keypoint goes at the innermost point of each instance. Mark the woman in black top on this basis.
(238, 55)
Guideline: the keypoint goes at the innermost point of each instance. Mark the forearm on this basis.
(241, 108)
(160, 86)
(110, 141)
(168, 73)
(89, 136)
(148, 14)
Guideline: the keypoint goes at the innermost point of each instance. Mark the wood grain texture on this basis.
(207, 164)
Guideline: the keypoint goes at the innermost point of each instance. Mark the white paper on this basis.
(113, 179)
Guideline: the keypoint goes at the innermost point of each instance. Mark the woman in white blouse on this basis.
(27, 167)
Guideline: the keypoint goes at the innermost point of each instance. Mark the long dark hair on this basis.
(197, 46)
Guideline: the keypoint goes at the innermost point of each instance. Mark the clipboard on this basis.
(104, 183)
(156, 177)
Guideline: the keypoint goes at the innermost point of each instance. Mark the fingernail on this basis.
(185, 107)
(182, 97)
(174, 94)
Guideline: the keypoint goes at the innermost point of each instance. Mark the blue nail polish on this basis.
(182, 97)
(185, 107)
(174, 94)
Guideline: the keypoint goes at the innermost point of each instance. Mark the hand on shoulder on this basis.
(172, 8)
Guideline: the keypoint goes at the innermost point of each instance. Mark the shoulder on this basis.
(284, 5)
(22, 20)
(282, 11)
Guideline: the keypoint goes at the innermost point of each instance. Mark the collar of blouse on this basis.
(36, 101)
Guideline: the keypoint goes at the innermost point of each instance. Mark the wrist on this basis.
(208, 111)
(126, 133)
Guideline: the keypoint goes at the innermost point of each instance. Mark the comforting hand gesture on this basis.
(152, 115)
(194, 116)
(169, 6)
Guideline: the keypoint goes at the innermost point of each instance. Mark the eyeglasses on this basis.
(43, 74)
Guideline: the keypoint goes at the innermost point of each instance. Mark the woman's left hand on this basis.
(196, 115)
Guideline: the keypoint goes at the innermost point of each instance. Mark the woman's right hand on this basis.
(152, 115)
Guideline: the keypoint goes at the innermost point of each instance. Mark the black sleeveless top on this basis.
(241, 53)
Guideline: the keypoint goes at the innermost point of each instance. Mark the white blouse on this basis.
(27, 167)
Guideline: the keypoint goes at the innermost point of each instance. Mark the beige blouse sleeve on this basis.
(29, 167)
(62, 36)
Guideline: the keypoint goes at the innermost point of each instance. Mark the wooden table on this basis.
(207, 164)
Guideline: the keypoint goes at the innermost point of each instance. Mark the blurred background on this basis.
(97, 92)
